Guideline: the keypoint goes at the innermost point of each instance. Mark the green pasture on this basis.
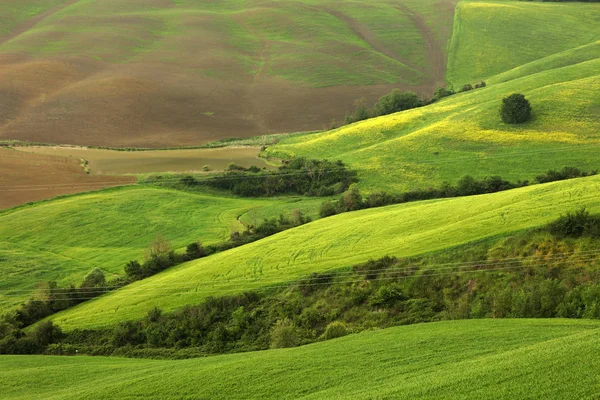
(493, 36)
(64, 239)
(338, 242)
(463, 134)
(471, 359)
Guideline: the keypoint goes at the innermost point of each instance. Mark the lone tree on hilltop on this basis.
(515, 109)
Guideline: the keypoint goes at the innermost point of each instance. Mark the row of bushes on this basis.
(352, 200)
(397, 101)
(300, 175)
(159, 256)
(545, 279)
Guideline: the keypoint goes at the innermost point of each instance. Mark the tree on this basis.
(284, 334)
(46, 333)
(195, 250)
(94, 279)
(515, 109)
(395, 101)
(133, 269)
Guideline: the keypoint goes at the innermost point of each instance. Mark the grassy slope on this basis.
(130, 73)
(290, 40)
(491, 37)
(337, 242)
(64, 239)
(477, 359)
(463, 134)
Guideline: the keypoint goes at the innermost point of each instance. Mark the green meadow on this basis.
(463, 134)
(337, 242)
(64, 239)
(476, 359)
(492, 37)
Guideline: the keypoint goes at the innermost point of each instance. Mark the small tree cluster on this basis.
(515, 109)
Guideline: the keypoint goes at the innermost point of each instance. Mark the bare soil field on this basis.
(107, 162)
(127, 74)
(26, 177)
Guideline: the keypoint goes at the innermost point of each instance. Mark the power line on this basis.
(242, 282)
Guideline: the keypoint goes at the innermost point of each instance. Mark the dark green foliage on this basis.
(379, 293)
(576, 224)
(466, 186)
(298, 176)
(195, 250)
(565, 173)
(94, 279)
(46, 332)
(361, 112)
(335, 330)
(442, 92)
(515, 109)
(396, 101)
(133, 269)
(466, 88)
(284, 334)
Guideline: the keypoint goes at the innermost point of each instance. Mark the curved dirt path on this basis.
(33, 21)
(435, 57)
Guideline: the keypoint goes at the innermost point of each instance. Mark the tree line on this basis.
(546, 279)
(159, 256)
(352, 199)
(299, 175)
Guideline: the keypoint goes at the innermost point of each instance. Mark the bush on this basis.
(515, 109)
(284, 334)
(46, 333)
(396, 101)
(327, 209)
(442, 92)
(195, 250)
(576, 224)
(94, 279)
(133, 269)
(335, 330)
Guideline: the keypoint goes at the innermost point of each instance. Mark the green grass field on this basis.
(338, 242)
(492, 37)
(476, 359)
(463, 134)
(64, 239)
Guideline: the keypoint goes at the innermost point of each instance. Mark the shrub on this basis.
(327, 209)
(441, 92)
(195, 250)
(133, 269)
(46, 333)
(335, 330)
(284, 334)
(94, 279)
(515, 109)
(576, 224)
(466, 88)
(396, 101)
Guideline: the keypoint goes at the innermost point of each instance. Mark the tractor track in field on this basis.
(32, 22)
(434, 53)
(367, 36)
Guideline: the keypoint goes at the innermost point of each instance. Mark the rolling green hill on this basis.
(166, 72)
(463, 134)
(338, 242)
(492, 37)
(64, 239)
(476, 359)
